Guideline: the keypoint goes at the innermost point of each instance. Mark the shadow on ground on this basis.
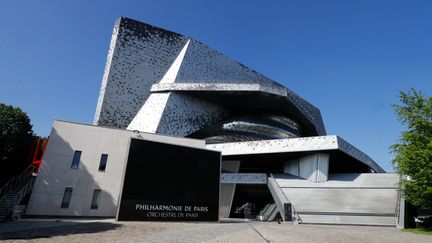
(63, 230)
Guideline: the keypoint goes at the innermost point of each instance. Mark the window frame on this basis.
(67, 196)
(96, 199)
(102, 166)
(76, 160)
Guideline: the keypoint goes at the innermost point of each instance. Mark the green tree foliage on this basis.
(413, 152)
(16, 138)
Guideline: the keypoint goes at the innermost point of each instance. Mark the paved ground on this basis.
(111, 231)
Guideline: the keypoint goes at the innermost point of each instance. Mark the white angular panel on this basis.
(171, 74)
(139, 56)
(175, 114)
(142, 55)
(149, 116)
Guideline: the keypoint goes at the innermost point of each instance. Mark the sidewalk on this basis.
(108, 230)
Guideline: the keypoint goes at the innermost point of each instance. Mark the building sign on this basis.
(165, 182)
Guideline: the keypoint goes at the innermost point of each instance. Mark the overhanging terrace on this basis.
(296, 145)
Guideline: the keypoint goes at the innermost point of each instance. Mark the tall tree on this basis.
(16, 137)
(413, 152)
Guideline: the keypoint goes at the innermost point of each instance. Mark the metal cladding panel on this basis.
(359, 155)
(175, 114)
(142, 55)
(291, 145)
(139, 55)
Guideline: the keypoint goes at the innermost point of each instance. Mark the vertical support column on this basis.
(226, 194)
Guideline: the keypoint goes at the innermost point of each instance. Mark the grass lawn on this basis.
(419, 231)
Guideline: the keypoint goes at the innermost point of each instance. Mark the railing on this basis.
(398, 200)
(295, 218)
(25, 190)
(18, 181)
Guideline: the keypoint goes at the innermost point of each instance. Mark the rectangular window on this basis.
(66, 197)
(103, 162)
(76, 159)
(95, 199)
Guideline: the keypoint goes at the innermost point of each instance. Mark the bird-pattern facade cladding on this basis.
(202, 64)
(175, 114)
(359, 155)
(141, 54)
(139, 57)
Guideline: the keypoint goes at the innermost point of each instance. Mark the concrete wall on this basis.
(56, 173)
(227, 190)
(312, 167)
(368, 198)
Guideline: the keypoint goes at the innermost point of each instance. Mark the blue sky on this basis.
(348, 58)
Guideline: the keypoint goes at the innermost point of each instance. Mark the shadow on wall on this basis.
(61, 230)
(56, 174)
(344, 176)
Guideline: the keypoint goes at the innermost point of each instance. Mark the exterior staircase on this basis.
(268, 213)
(14, 191)
(347, 199)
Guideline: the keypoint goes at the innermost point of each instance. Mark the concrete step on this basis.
(348, 219)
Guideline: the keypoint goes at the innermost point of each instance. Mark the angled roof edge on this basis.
(291, 145)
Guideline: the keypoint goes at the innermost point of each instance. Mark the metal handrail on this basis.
(399, 198)
(17, 181)
(295, 215)
(24, 191)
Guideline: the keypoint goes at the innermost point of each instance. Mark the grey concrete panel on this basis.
(231, 166)
(323, 167)
(227, 190)
(348, 220)
(292, 167)
(244, 178)
(369, 198)
(314, 167)
(345, 200)
(226, 197)
(56, 173)
(349, 180)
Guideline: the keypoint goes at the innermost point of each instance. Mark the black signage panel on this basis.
(165, 182)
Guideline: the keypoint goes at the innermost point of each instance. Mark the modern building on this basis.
(183, 132)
